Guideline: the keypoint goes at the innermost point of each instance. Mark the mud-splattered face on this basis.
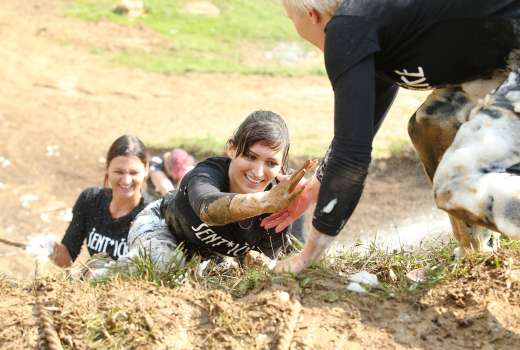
(255, 169)
(126, 175)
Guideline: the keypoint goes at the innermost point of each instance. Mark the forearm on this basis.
(232, 208)
(61, 256)
(316, 244)
(165, 187)
(161, 182)
(344, 168)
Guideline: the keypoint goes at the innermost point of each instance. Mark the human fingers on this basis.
(284, 224)
(275, 221)
(297, 176)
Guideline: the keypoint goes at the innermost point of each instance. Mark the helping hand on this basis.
(315, 246)
(283, 194)
(297, 207)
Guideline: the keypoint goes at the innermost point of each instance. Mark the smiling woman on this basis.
(102, 216)
(220, 203)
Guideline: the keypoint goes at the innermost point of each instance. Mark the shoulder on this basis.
(91, 198)
(93, 193)
(348, 40)
(213, 171)
(212, 165)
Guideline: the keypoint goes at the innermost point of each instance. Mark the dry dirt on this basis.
(61, 106)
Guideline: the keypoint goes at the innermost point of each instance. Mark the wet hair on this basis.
(265, 127)
(126, 145)
(322, 6)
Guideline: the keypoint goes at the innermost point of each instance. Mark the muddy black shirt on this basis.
(207, 182)
(374, 46)
(92, 221)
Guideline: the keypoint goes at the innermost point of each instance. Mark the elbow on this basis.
(217, 212)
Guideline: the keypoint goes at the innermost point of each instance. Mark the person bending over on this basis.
(219, 205)
(167, 171)
(102, 215)
(468, 143)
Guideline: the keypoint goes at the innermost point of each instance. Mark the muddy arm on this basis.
(227, 208)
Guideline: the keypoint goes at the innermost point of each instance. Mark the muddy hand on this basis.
(281, 195)
(282, 219)
(297, 176)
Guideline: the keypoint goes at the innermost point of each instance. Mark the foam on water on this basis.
(409, 234)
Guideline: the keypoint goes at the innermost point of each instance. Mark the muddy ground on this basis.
(60, 108)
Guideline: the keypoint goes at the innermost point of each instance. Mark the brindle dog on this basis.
(468, 139)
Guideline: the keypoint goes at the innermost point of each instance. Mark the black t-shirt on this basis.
(422, 44)
(92, 221)
(373, 46)
(208, 182)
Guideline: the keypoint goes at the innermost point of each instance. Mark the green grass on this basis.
(390, 267)
(234, 41)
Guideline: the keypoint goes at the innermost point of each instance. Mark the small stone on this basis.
(417, 275)
(130, 8)
(392, 275)
(28, 199)
(53, 151)
(364, 277)
(202, 8)
(4, 162)
(356, 288)
(284, 297)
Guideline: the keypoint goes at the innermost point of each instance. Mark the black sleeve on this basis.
(385, 96)
(348, 40)
(205, 186)
(344, 168)
(76, 232)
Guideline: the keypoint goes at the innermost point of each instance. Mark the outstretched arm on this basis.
(217, 208)
(344, 168)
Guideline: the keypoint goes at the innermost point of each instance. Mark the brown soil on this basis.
(55, 92)
(479, 310)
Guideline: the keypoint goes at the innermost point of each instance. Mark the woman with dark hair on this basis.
(219, 205)
(102, 216)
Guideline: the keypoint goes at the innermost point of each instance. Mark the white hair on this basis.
(322, 6)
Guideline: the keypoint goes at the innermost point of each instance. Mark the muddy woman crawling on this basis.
(219, 205)
(467, 132)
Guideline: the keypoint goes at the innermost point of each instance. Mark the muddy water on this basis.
(396, 210)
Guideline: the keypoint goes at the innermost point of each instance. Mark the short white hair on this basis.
(322, 6)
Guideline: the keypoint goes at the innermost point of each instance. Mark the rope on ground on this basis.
(287, 333)
(47, 335)
(11, 243)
